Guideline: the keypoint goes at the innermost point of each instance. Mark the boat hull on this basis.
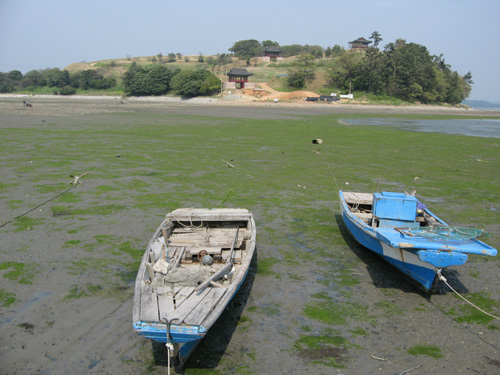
(184, 338)
(184, 297)
(399, 228)
(405, 260)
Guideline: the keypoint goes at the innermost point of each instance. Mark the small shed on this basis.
(240, 76)
(359, 44)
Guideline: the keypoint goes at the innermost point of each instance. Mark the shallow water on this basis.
(28, 305)
(472, 127)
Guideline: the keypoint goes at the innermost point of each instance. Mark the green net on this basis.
(447, 234)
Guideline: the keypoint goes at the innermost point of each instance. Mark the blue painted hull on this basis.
(417, 257)
(420, 271)
(185, 337)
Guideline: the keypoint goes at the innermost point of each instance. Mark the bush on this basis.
(67, 90)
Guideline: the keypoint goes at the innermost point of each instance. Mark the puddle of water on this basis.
(28, 305)
(472, 127)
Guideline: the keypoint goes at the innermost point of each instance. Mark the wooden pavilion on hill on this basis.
(359, 44)
(272, 51)
(240, 76)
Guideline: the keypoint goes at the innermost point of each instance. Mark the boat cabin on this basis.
(395, 209)
(388, 210)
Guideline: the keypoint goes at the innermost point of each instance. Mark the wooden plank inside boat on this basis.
(166, 304)
(202, 310)
(358, 198)
(182, 294)
(149, 305)
(189, 304)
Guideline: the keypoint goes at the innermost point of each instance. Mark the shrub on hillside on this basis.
(67, 90)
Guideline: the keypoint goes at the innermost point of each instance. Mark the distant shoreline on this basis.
(235, 101)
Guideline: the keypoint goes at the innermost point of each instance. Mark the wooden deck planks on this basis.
(171, 300)
(149, 305)
(184, 303)
(166, 305)
(189, 304)
(359, 198)
(205, 307)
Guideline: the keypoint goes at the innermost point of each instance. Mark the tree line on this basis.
(141, 80)
(137, 80)
(61, 81)
(401, 70)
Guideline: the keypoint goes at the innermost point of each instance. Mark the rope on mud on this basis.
(75, 181)
(334, 179)
(230, 188)
(443, 279)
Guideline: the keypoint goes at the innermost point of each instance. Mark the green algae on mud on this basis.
(336, 312)
(310, 277)
(427, 350)
(20, 272)
(469, 314)
(6, 298)
(328, 349)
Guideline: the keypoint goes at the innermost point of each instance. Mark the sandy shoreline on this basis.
(244, 101)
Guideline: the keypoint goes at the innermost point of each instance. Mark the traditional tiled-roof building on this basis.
(360, 43)
(272, 51)
(240, 76)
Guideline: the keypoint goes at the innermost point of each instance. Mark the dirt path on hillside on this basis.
(294, 95)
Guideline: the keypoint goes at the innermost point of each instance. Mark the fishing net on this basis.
(183, 277)
(447, 234)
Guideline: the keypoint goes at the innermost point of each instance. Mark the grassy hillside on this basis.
(272, 73)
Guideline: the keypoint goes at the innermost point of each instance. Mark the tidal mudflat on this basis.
(314, 301)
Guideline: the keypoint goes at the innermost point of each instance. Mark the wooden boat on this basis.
(193, 266)
(404, 232)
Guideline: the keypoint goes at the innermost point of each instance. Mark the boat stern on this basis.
(178, 333)
(442, 259)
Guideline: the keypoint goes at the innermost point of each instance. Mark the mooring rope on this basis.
(169, 345)
(233, 180)
(331, 172)
(190, 212)
(443, 279)
(74, 182)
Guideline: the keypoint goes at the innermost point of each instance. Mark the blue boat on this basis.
(401, 229)
(193, 266)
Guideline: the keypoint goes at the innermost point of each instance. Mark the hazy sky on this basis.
(39, 34)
